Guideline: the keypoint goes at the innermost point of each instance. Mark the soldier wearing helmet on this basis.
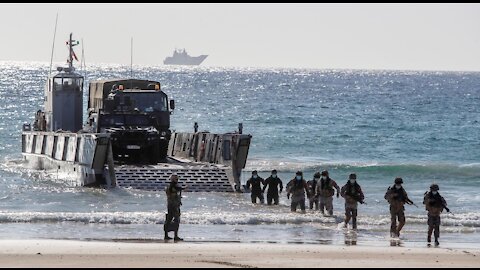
(312, 186)
(256, 181)
(297, 187)
(434, 204)
(325, 192)
(397, 197)
(352, 192)
(174, 201)
(273, 182)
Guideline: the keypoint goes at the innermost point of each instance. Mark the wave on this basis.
(292, 165)
(459, 222)
(17, 167)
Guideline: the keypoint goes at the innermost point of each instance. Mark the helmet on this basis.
(352, 176)
(434, 187)
(325, 173)
(398, 180)
(299, 173)
(274, 171)
(173, 177)
(317, 175)
(254, 172)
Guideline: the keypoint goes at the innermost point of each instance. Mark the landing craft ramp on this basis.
(203, 161)
(197, 176)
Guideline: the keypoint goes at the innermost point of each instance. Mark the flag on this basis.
(74, 55)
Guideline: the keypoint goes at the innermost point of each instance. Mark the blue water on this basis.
(422, 126)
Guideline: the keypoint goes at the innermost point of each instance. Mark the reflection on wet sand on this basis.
(350, 238)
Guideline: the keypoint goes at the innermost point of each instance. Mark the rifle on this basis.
(356, 197)
(408, 201)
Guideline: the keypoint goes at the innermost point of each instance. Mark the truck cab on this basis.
(136, 114)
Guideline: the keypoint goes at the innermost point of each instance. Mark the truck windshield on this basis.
(149, 102)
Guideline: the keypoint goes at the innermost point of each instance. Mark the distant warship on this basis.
(181, 57)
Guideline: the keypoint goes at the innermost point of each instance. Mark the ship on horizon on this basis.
(181, 57)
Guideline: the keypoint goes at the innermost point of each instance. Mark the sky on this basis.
(318, 36)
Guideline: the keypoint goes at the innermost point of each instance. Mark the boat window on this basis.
(57, 83)
(79, 84)
(68, 84)
(65, 83)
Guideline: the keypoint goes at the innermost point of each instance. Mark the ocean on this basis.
(423, 126)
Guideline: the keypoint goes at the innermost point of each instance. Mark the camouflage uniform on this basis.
(434, 204)
(297, 189)
(353, 195)
(325, 194)
(174, 202)
(397, 199)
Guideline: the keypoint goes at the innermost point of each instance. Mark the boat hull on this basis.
(190, 61)
(76, 159)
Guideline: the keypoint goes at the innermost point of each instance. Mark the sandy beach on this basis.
(69, 253)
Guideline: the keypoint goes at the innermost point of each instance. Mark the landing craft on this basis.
(127, 141)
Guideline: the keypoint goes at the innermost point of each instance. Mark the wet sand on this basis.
(69, 253)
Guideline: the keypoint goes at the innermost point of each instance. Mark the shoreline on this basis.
(348, 242)
(93, 253)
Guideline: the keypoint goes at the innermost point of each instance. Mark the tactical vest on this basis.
(352, 190)
(400, 194)
(326, 187)
(435, 200)
(173, 195)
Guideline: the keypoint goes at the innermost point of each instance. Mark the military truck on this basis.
(136, 114)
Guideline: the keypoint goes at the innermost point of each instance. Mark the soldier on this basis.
(434, 204)
(352, 192)
(273, 182)
(397, 197)
(312, 186)
(255, 182)
(174, 201)
(325, 193)
(297, 187)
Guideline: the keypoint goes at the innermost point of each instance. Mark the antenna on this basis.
(83, 65)
(53, 46)
(131, 58)
(131, 63)
(70, 53)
